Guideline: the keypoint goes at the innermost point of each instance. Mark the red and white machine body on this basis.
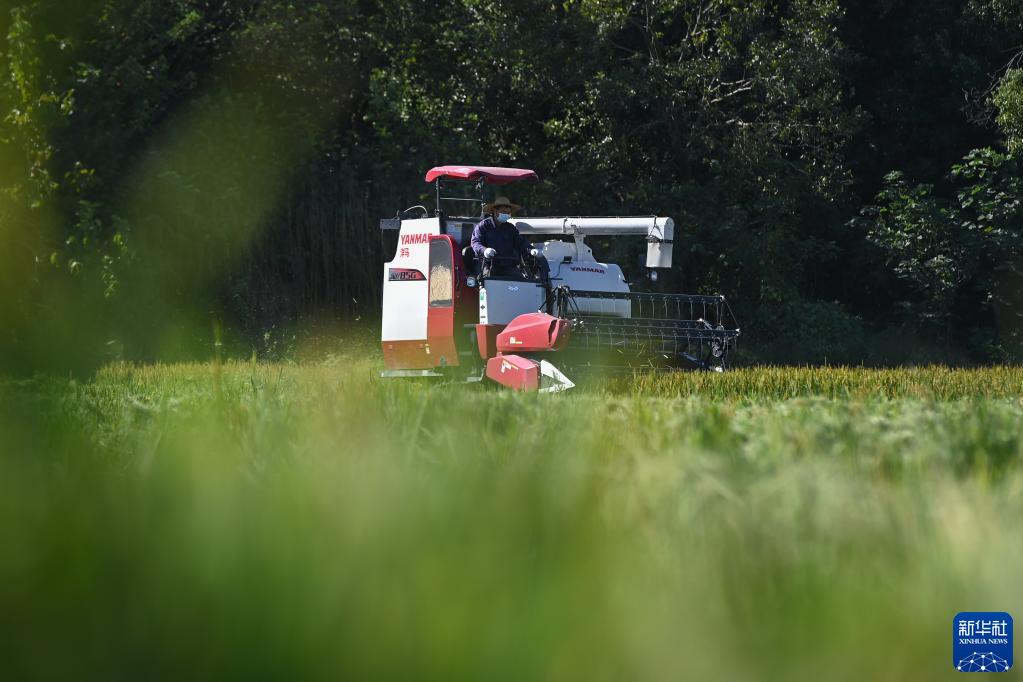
(422, 286)
(427, 301)
(437, 314)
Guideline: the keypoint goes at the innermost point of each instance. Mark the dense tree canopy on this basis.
(846, 173)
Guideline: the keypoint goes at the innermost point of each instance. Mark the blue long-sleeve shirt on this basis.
(502, 237)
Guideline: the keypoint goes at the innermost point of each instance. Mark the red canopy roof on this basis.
(493, 174)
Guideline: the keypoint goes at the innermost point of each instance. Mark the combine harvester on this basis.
(444, 314)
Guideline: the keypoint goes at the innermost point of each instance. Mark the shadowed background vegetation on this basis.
(846, 173)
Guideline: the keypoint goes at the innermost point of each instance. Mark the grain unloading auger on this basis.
(561, 311)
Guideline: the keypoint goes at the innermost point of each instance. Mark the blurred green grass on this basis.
(258, 521)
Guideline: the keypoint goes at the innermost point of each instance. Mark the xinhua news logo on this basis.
(982, 641)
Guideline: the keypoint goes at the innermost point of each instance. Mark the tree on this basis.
(1008, 99)
(962, 258)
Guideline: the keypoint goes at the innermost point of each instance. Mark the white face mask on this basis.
(503, 217)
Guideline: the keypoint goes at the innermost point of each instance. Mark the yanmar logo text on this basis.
(599, 271)
(421, 238)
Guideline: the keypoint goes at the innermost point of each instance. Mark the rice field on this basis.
(310, 521)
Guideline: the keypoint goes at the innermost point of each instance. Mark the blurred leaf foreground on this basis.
(310, 521)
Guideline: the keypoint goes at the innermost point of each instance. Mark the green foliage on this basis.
(1009, 101)
(910, 226)
(990, 213)
(35, 103)
(951, 251)
(250, 520)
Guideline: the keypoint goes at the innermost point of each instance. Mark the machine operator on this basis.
(496, 240)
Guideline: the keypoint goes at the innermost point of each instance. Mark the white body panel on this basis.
(406, 302)
(660, 232)
(501, 301)
(636, 225)
(572, 265)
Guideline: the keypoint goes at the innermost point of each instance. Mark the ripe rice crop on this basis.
(781, 383)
